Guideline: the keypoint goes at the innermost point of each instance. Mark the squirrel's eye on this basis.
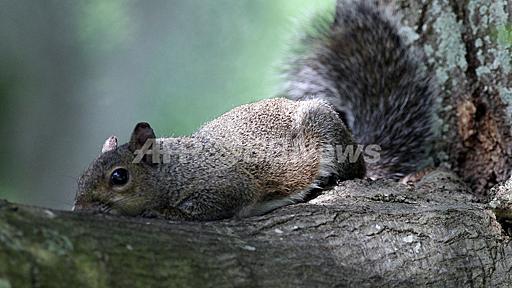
(119, 177)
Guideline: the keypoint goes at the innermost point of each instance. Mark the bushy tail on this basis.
(361, 65)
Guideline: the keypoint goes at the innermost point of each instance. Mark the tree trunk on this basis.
(362, 233)
(468, 44)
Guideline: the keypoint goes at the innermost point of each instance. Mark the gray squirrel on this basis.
(355, 82)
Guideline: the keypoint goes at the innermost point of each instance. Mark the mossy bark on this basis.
(468, 46)
(362, 233)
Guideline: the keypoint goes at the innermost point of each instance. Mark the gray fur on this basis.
(361, 65)
(261, 156)
(251, 160)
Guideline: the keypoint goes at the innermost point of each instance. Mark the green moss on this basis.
(91, 271)
(56, 243)
(505, 35)
(493, 49)
(10, 237)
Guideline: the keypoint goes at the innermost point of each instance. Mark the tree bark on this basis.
(468, 46)
(362, 233)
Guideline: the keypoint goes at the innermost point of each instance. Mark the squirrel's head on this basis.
(113, 183)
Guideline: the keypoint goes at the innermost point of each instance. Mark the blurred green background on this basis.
(73, 73)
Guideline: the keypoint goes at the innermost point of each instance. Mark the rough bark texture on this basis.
(501, 204)
(362, 233)
(468, 44)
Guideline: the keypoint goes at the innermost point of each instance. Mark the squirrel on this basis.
(355, 82)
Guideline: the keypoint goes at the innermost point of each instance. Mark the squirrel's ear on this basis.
(141, 133)
(110, 144)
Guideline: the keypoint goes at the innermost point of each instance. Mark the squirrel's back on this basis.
(360, 63)
(288, 146)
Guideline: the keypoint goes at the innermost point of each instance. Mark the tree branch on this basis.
(362, 233)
